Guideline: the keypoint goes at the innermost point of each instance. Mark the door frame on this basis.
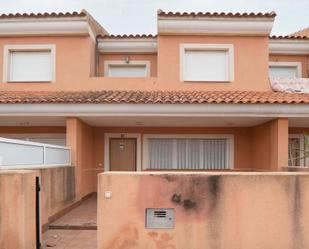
(138, 138)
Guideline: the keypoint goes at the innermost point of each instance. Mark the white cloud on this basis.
(139, 16)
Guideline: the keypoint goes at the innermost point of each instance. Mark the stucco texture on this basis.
(261, 147)
(57, 191)
(212, 210)
(165, 65)
(79, 138)
(17, 209)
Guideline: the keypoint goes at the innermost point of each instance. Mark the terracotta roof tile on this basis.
(153, 97)
(161, 13)
(129, 36)
(95, 26)
(44, 15)
(302, 32)
(291, 37)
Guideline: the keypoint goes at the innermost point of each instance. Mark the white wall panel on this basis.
(20, 154)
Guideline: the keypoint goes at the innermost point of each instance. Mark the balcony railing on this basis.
(19, 154)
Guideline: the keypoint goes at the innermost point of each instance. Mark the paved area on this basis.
(70, 239)
(81, 217)
(74, 230)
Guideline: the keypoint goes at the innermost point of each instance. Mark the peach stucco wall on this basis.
(80, 140)
(152, 58)
(263, 147)
(250, 61)
(32, 129)
(75, 65)
(17, 209)
(212, 210)
(270, 145)
(299, 130)
(57, 191)
(73, 62)
(293, 58)
(241, 142)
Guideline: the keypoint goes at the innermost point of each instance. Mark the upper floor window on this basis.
(126, 69)
(285, 69)
(29, 63)
(207, 62)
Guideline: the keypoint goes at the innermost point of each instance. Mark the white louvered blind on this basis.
(175, 153)
(206, 65)
(30, 66)
(283, 71)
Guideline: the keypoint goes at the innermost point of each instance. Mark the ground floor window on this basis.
(192, 153)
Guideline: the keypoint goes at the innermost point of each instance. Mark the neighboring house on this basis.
(196, 96)
(301, 33)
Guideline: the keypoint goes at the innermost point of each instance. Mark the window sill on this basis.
(33, 81)
(207, 81)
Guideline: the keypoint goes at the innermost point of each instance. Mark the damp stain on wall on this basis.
(193, 192)
(297, 214)
(125, 238)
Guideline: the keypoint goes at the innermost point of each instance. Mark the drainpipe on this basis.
(96, 56)
(308, 67)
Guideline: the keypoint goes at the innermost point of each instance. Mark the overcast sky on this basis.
(139, 16)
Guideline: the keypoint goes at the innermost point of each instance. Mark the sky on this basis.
(139, 16)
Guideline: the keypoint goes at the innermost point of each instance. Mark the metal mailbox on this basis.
(159, 218)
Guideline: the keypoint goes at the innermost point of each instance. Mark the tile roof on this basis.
(153, 97)
(290, 37)
(302, 32)
(161, 13)
(129, 36)
(44, 15)
(95, 26)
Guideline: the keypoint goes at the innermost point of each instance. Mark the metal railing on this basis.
(19, 154)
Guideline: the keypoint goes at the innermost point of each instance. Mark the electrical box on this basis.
(159, 218)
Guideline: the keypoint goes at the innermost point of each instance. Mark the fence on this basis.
(17, 154)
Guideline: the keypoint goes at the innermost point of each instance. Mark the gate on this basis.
(37, 212)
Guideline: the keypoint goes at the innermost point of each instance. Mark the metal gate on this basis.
(37, 212)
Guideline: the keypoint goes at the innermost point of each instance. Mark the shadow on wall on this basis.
(57, 191)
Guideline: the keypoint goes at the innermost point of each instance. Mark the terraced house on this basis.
(208, 92)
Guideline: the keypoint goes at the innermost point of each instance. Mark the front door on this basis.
(122, 154)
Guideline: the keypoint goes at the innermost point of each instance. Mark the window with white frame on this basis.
(29, 63)
(298, 150)
(127, 69)
(285, 69)
(188, 153)
(207, 62)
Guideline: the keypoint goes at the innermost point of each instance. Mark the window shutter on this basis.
(284, 71)
(30, 66)
(127, 71)
(206, 65)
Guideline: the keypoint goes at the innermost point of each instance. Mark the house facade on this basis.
(210, 91)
